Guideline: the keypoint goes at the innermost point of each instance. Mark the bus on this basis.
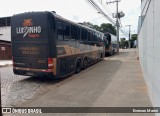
(110, 44)
(46, 44)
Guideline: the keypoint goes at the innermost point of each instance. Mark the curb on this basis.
(6, 65)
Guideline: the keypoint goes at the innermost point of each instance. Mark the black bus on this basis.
(110, 42)
(46, 44)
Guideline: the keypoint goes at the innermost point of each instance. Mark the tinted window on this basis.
(78, 33)
(84, 34)
(94, 36)
(66, 30)
(59, 30)
(89, 35)
(73, 32)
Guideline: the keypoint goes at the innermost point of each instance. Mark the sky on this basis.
(78, 10)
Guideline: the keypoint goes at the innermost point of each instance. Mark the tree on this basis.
(88, 24)
(122, 42)
(133, 38)
(96, 27)
(107, 27)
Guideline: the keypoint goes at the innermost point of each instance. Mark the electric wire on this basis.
(101, 11)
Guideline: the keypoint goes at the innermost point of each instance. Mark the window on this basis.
(83, 34)
(73, 32)
(5, 21)
(89, 35)
(96, 36)
(78, 34)
(59, 30)
(99, 37)
(3, 48)
(93, 36)
(66, 30)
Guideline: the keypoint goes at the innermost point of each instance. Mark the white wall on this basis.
(149, 50)
(6, 31)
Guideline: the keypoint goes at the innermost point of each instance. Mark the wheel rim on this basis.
(78, 67)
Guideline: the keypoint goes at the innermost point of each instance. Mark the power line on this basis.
(101, 11)
(108, 8)
(104, 14)
(130, 20)
(101, 2)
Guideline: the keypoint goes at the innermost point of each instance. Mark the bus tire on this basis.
(85, 63)
(111, 53)
(78, 66)
(101, 55)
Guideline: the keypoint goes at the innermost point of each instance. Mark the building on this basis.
(5, 38)
(149, 47)
(5, 50)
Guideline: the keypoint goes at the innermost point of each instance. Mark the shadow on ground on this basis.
(29, 89)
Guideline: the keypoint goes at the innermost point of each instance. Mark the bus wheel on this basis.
(111, 53)
(101, 55)
(85, 63)
(78, 66)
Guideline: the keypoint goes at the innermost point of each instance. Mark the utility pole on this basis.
(117, 23)
(129, 35)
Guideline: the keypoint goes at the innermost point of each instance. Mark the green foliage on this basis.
(133, 37)
(104, 27)
(96, 27)
(123, 43)
(88, 24)
(107, 27)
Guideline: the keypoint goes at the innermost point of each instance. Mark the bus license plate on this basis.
(29, 73)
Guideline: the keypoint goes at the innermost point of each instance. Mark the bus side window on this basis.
(78, 34)
(66, 31)
(89, 36)
(59, 30)
(73, 32)
(84, 34)
(94, 36)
